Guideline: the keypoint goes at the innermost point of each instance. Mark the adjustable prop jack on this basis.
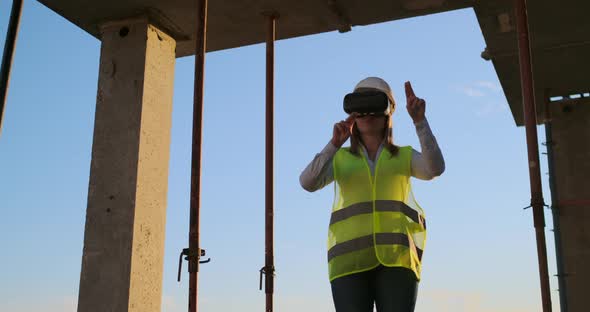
(189, 256)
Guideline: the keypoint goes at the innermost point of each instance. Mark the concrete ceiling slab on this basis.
(560, 43)
(236, 23)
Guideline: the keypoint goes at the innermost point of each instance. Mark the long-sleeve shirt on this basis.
(424, 166)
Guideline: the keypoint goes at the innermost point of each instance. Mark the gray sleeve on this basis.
(430, 163)
(319, 172)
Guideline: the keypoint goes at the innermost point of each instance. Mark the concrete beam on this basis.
(125, 222)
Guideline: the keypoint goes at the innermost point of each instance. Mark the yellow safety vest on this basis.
(375, 218)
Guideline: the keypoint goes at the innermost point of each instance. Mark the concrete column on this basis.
(123, 257)
(571, 136)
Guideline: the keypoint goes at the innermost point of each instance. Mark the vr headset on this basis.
(367, 103)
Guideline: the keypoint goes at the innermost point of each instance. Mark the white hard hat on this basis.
(379, 84)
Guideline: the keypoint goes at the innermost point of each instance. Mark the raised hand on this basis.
(415, 105)
(342, 130)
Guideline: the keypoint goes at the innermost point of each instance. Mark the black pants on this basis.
(390, 289)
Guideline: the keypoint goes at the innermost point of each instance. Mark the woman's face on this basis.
(371, 124)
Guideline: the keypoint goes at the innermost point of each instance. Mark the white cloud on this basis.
(471, 91)
(488, 85)
(479, 88)
(485, 96)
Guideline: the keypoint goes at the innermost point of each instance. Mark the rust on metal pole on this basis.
(8, 54)
(269, 190)
(195, 201)
(530, 120)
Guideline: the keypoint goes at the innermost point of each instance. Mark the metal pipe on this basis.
(195, 201)
(555, 206)
(530, 119)
(8, 54)
(269, 189)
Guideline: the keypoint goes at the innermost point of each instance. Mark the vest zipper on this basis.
(373, 182)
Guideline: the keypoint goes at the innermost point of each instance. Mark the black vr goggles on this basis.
(367, 103)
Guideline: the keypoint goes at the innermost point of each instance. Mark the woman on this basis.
(377, 230)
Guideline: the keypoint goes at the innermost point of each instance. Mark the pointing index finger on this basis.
(409, 90)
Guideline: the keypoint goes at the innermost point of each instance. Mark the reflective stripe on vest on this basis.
(375, 218)
(380, 205)
(368, 241)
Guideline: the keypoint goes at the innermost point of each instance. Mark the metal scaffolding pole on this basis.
(269, 269)
(8, 54)
(194, 252)
(530, 120)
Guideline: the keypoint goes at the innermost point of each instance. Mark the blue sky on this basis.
(480, 255)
